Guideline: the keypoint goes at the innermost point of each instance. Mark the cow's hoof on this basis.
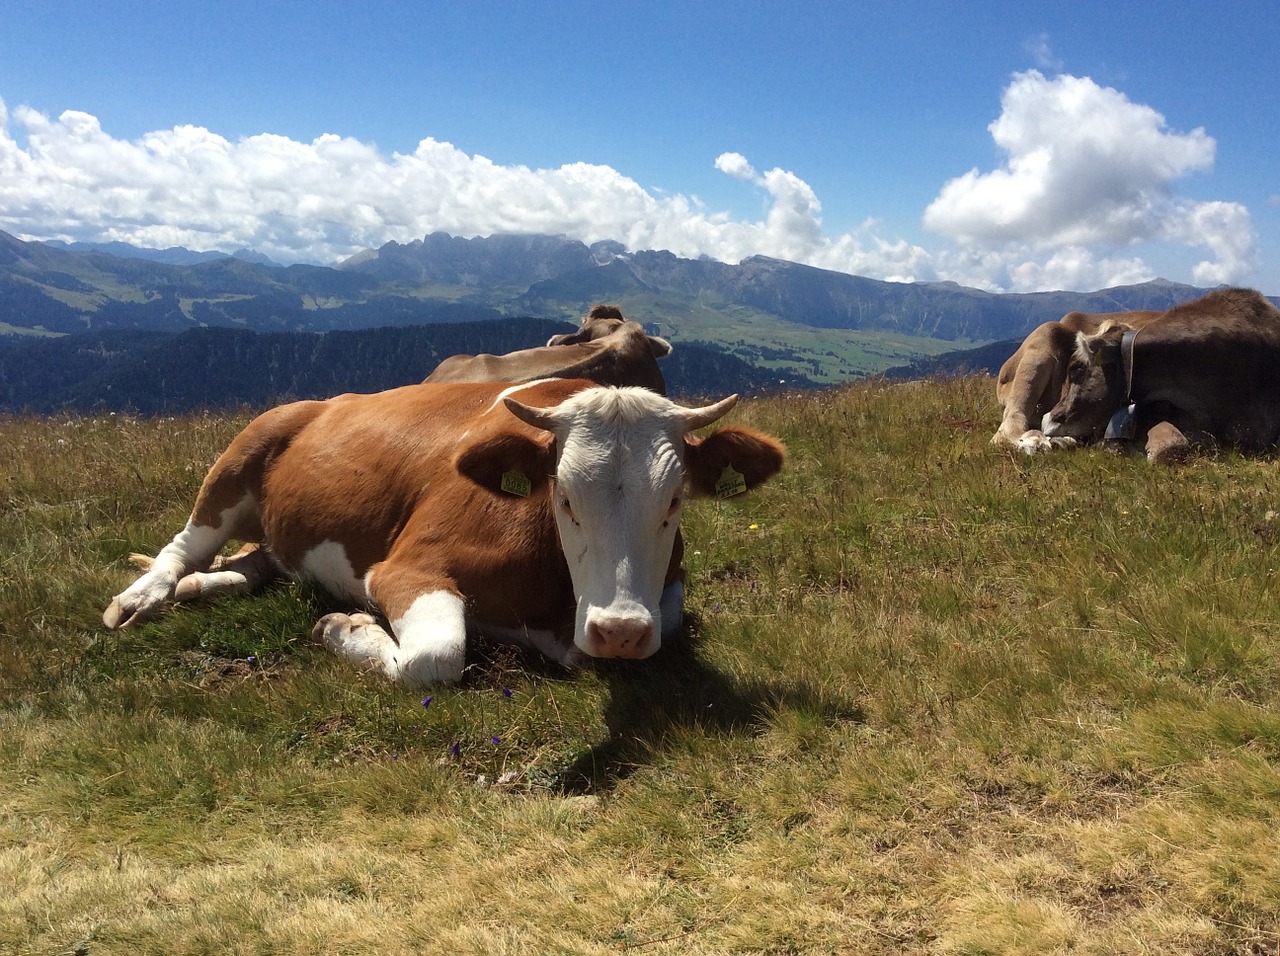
(336, 630)
(1033, 443)
(1167, 445)
(114, 616)
(121, 614)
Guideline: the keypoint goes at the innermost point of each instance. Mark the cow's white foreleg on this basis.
(193, 547)
(428, 647)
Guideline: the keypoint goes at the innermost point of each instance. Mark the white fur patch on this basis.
(432, 636)
(328, 566)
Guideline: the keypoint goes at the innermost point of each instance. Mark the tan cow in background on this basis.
(1031, 380)
(606, 349)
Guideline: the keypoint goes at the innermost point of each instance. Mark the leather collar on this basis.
(1126, 361)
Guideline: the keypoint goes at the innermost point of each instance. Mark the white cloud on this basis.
(1089, 175)
(1089, 168)
(736, 165)
(330, 198)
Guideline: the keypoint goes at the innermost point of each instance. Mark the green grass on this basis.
(933, 698)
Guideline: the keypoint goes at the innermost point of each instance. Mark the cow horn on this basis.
(544, 418)
(695, 418)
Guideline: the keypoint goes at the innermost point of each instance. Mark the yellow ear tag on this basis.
(730, 483)
(516, 483)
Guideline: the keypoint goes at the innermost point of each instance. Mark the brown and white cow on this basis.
(606, 349)
(542, 513)
(1031, 380)
(1206, 369)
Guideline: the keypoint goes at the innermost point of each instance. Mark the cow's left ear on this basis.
(732, 460)
(1102, 348)
(503, 463)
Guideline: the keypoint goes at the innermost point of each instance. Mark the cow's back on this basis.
(626, 356)
(1216, 360)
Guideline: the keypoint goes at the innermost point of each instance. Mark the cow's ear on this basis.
(1100, 349)
(660, 348)
(509, 463)
(731, 461)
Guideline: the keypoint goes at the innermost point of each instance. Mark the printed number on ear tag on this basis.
(730, 483)
(517, 483)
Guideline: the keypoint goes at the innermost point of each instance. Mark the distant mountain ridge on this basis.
(792, 322)
(174, 255)
(46, 288)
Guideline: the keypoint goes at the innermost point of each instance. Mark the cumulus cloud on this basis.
(334, 196)
(1089, 174)
(736, 165)
(1089, 168)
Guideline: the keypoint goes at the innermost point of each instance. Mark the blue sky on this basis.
(1009, 146)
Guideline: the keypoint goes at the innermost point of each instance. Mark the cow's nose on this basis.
(617, 636)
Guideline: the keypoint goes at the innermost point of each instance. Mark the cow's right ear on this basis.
(503, 463)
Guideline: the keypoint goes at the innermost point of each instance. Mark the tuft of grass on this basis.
(932, 697)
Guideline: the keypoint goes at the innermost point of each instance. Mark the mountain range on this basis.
(790, 321)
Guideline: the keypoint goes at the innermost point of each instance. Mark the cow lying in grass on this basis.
(1031, 380)
(544, 514)
(1204, 372)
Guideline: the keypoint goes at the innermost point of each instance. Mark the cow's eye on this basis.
(672, 509)
(567, 508)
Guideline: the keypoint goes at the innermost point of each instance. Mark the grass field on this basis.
(934, 698)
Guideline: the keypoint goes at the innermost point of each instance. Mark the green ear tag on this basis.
(516, 483)
(730, 483)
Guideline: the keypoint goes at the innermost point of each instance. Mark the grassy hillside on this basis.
(933, 698)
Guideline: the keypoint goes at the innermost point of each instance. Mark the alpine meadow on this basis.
(931, 697)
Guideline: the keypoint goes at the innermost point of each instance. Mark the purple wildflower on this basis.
(496, 740)
(456, 749)
(506, 692)
(426, 702)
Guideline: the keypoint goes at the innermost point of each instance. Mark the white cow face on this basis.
(618, 494)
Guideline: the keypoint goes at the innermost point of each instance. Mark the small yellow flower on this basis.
(754, 527)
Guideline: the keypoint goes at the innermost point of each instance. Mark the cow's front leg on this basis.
(427, 641)
(671, 608)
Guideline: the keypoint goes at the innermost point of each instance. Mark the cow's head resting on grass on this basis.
(1097, 387)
